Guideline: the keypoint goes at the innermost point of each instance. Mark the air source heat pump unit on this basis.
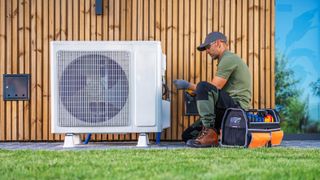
(107, 87)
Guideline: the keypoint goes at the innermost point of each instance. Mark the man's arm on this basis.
(219, 82)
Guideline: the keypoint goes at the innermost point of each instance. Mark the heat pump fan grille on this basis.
(93, 88)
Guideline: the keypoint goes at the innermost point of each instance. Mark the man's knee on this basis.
(203, 89)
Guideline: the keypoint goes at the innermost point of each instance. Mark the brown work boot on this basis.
(208, 137)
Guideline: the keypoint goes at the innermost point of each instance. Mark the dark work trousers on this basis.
(211, 105)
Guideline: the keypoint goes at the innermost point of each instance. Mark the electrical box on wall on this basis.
(16, 87)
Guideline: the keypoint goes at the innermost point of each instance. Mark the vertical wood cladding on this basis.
(27, 27)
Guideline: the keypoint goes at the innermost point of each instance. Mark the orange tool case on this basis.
(251, 129)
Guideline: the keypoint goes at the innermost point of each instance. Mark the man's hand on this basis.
(181, 84)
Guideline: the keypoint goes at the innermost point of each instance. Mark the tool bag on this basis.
(252, 128)
(190, 102)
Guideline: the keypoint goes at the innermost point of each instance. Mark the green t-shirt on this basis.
(232, 68)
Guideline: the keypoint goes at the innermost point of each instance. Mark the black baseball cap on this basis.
(212, 37)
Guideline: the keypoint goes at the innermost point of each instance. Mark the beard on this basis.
(214, 57)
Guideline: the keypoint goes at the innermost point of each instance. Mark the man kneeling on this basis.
(231, 87)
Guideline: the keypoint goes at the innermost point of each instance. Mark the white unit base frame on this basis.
(71, 140)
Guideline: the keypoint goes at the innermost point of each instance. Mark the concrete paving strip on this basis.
(127, 145)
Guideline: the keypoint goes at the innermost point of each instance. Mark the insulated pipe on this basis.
(87, 139)
(158, 137)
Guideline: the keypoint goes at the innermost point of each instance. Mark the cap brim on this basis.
(202, 47)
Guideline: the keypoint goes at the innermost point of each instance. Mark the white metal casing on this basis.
(145, 86)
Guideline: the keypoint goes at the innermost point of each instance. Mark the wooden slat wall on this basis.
(27, 27)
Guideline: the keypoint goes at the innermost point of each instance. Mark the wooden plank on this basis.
(69, 16)
(27, 49)
(33, 65)
(82, 20)
(87, 21)
(111, 20)
(15, 65)
(216, 15)
(140, 19)
(129, 24)
(145, 22)
(151, 10)
(273, 93)
(75, 19)
(232, 27)
(14, 39)
(45, 73)
(93, 23)
(2, 67)
(262, 60)
(39, 52)
(256, 54)
(105, 19)
(221, 16)
(163, 31)
(21, 57)
(134, 18)
(157, 25)
(268, 55)
(51, 38)
(9, 67)
(169, 65)
(227, 14)
(116, 20)
(244, 28)
(238, 25)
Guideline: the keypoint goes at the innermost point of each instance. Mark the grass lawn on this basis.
(219, 163)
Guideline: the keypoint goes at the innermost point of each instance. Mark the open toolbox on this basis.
(252, 128)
